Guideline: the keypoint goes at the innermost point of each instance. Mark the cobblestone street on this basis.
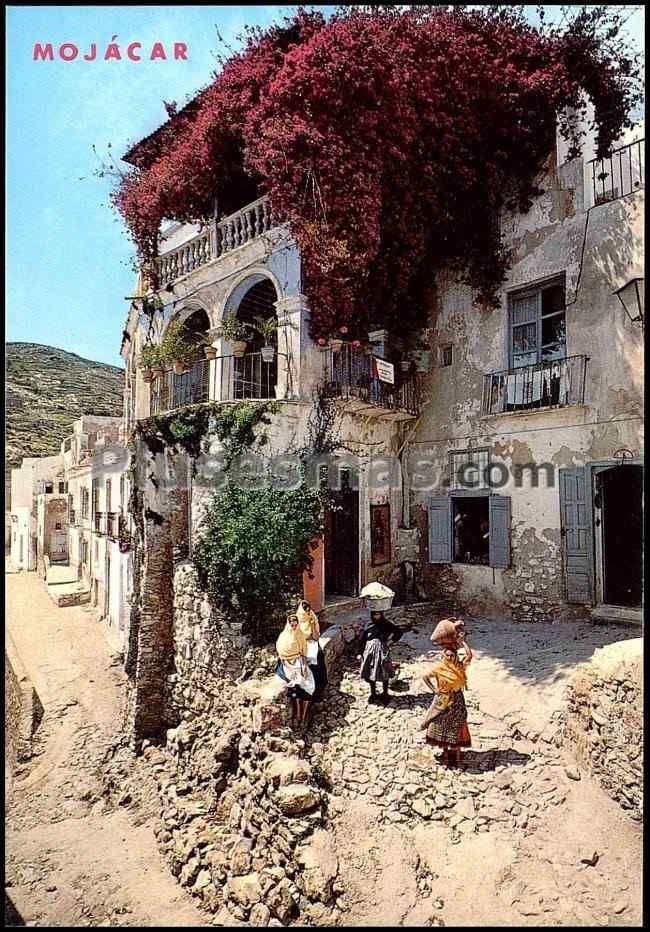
(512, 828)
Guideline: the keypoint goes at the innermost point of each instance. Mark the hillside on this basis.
(46, 390)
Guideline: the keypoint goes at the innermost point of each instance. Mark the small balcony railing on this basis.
(231, 379)
(554, 384)
(247, 377)
(621, 173)
(171, 391)
(355, 377)
(216, 239)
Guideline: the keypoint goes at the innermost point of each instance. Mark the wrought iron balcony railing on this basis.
(232, 378)
(171, 391)
(216, 239)
(365, 383)
(622, 173)
(553, 384)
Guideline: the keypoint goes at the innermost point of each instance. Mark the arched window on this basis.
(255, 376)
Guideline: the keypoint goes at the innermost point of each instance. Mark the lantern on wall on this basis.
(631, 296)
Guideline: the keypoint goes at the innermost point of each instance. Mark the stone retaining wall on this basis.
(23, 712)
(603, 723)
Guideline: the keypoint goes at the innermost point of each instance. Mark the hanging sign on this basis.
(385, 370)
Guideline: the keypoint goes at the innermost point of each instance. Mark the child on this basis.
(446, 719)
(309, 626)
(376, 665)
(294, 671)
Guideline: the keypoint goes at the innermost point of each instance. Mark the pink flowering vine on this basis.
(388, 141)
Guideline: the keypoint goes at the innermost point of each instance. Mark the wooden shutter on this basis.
(577, 534)
(440, 538)
(500, 531)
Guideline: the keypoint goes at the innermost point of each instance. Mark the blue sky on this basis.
(68, 256)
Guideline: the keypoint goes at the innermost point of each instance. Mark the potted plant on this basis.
(177, 349)
(237, 332)
(150, 361)
(209, 350)
(267, 327)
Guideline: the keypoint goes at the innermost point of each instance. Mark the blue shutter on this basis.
(577, 534)
(440, 540)
(499, 531)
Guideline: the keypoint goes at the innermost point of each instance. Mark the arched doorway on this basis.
(252, 375)
(193, 386)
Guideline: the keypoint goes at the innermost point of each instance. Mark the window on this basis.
(446, 355)
(122, 492)
(471, 517)
(95, 493)
(537, 320)
(49, 488)
(379, 534)
(470, 528)
(62, 488)
(108, 495)
(57, 526)
(85, 499)
(469, 469)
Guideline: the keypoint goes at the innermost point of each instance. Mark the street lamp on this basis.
(631, 297)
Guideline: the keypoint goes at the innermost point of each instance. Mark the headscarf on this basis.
(308, 621)
(291, 644)
(450, 674)
(448, 632)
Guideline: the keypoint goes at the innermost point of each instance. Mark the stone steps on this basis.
(617, 614)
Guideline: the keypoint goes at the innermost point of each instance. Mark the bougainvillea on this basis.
(388, 140)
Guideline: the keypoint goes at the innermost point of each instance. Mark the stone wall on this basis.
(208, 650)
(23, 713)
(603, 724)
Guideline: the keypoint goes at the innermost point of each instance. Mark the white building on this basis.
(35, 475)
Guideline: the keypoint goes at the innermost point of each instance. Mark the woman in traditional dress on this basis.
(294, 671)
(376, 665)
(446, 719)
(315, 657)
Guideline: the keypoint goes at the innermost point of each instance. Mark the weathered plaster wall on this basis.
(599, 251)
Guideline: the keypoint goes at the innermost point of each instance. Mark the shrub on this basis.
(252, 550)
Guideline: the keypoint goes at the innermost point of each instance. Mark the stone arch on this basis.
(242, 283)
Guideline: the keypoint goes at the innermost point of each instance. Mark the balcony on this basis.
(231, 379)
(554, 384)
(216, 239)
(622, 173)
(363, 385)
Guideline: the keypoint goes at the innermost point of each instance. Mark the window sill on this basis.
(534, 412)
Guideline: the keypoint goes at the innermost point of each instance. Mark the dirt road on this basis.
(70, 860)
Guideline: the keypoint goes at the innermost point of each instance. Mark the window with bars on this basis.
(469, 469)
(537, 324)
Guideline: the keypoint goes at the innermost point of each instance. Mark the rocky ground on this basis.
(353, 824)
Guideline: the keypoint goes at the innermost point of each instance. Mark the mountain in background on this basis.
(46, 390)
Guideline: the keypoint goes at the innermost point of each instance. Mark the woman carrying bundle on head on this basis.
(294, 670)
(315, 657)
(446, 719)
(379, 633)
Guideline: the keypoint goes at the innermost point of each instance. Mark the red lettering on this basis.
(180, 51)
(69, 55)
(44, 53)
(158, 51)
